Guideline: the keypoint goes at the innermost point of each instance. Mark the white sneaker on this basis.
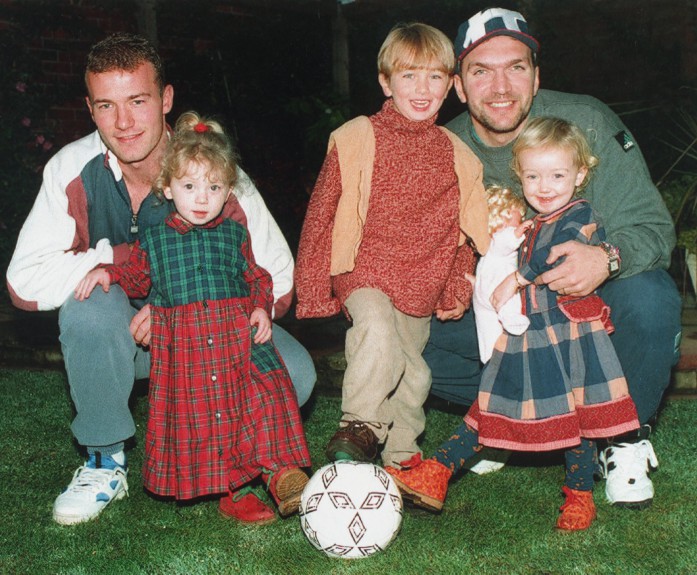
(92, 489)
(626, 467)
(491, 460)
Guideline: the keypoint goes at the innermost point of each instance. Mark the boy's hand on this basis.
(456, 313)
(90, 281)
(260, 319)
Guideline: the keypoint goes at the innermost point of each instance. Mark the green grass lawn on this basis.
(502, 523)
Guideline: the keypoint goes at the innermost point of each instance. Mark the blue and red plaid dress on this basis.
(222, 409)
(561, 380)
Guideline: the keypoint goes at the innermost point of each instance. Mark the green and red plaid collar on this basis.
(175, 221)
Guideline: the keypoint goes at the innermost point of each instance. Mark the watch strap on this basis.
(614, 260)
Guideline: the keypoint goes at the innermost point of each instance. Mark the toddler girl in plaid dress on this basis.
(559, 385)
(223, 410)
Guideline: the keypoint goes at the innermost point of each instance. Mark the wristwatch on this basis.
(614, 261)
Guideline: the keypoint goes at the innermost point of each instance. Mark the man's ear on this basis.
(167, 98)
(459, 88)
(89, 105)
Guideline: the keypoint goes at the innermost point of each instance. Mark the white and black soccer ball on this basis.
(350, 509)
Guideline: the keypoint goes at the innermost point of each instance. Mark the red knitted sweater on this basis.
(409, 246)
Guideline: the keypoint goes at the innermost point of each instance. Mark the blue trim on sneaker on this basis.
(99, 461)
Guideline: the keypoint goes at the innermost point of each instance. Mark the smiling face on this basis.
(498, 81)
(199, 194)
(129, 111)
(417, 93)
(549, 176)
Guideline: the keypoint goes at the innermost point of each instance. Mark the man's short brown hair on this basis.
(124, 51)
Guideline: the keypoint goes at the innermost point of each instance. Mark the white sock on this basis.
(120, 458)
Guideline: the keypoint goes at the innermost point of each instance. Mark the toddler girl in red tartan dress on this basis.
(223, 410)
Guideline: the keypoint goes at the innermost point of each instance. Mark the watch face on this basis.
(613, 266)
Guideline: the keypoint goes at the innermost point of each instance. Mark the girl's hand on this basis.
(140, 326)
(260, 319)
(90, 281)
(504, 291)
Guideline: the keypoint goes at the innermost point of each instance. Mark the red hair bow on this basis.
(200, 128)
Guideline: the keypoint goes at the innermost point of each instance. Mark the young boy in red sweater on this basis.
(390, 231)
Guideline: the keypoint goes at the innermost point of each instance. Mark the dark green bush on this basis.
(26, 141)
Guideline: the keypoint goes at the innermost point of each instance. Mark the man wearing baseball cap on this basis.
(498, 79)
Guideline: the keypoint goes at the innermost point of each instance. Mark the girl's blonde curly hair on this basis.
(555, 132)
(202, 140)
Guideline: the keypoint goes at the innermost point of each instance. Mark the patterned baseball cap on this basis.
(489, 23)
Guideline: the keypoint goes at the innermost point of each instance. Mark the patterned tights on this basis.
(463, 444)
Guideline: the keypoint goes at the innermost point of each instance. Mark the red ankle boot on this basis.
(413, 461)
(578, 512)
(244, 506)
(286, 487)
(425, 484)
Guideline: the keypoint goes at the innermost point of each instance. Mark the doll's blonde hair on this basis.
(501, 202)
(202, 140)
(555, 133)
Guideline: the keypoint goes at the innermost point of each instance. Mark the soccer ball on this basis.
(350, 509)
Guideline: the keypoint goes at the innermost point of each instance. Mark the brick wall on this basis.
(215, 56)
(58, 33)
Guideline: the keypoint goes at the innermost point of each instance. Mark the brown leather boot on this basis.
(356, 442)
(578, 512)
(425, 484)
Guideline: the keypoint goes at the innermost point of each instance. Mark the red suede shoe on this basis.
(244, 506)
(578, 512)
(425, 484)
(286, 487)
(413, 461)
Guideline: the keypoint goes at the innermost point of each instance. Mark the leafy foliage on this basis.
(678, 185)
(26, 142)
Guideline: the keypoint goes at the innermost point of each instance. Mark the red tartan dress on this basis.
(222, 409)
